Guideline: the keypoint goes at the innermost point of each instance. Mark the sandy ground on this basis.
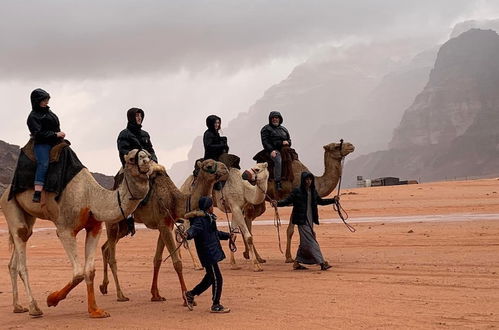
(415, 274)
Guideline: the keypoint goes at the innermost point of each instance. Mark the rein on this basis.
(232, 241)
(342, 213)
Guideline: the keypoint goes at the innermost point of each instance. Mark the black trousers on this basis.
(212, 278)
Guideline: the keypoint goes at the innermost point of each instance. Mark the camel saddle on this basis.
(63, 166)
(288, 155)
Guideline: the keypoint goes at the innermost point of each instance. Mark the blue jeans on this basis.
(277, 166)
(42, 153)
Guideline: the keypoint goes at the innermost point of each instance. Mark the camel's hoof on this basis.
(123, 298)
(235, 267)
(103, 288)
(20, 309)
(99, 314)
(260, 260)
(257, 268)
(246, 255)
(289, 260)
(158, 298)
(34, 311)
(53, 299)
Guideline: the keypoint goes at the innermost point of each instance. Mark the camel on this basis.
(325, 184)
(166, 204)
(83, 204)
(233, 198)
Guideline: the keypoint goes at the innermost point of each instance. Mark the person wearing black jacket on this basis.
(46, 132)
(203, 229)
(305, 214)
(133, 136)
(214, 144)
(275, 136)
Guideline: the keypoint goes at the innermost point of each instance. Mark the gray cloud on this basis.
(102, 39)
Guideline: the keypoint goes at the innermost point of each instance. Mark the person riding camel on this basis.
(274, 138)
(44, 128)
(133, 137)
(214, 144)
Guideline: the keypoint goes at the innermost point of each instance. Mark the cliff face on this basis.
(451, 129)
(8, 161)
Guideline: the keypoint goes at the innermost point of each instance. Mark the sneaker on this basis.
(37, 197)
(325, 266)
(189, 299)
(219, 309)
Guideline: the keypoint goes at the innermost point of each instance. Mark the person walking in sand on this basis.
(305, 214)
(203, 229)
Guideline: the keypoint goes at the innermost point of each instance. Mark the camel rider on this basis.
(133, 137)
(45, 130)
(214, 144)
(274, 138)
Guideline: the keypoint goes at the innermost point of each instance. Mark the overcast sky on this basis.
(182, 60)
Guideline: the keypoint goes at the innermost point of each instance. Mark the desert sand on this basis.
(424, 256)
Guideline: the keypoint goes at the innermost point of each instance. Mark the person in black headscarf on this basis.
(274, 137)
(305, 214)
(214, 144)
(46, 132)
(134, 137)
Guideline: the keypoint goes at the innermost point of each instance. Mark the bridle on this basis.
(337, 206)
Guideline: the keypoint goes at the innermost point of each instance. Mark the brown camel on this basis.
(324, 184)
(234, 196)
(83, 204)
(166, 204)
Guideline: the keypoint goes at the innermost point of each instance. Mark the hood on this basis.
(131, 115)
(275, 114)
(37, 96)
(305, 175)
(194, 214)
(210, 122)
(205, 203)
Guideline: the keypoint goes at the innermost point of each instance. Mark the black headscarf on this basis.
(132, 122)
(37, 96)
(210, 122)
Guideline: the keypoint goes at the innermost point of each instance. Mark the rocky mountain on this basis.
(341, 94)
(450, 130)
(8, 161)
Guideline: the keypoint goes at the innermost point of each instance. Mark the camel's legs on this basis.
(91, 241)
(168, 239)
(249, 224)
(290, 231)
(13, 277)
(158, 259)
(105, 260)
(238, 220)
(20, 228)
(68, 241)
(194, 258)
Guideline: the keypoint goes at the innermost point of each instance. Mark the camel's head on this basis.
(257, 173)
(138, 162)
(213, 170)
(339, 150)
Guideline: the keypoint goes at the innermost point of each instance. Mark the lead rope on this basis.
(179, 233)
(232, 241)
(342, 213)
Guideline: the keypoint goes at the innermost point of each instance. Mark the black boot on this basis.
(37, 196)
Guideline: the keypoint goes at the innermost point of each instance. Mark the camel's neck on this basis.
(255, 194)
(202, 187)
(104, 203)
(326, 183)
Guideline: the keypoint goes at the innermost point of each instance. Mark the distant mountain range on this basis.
(8, 161)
